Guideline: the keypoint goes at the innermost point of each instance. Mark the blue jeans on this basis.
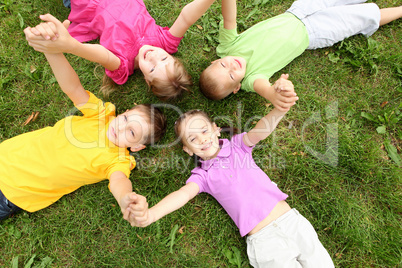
(67, 3)
(6, 207)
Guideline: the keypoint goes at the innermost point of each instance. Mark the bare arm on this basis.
(170, 203)
(122, 190)
(268, 123)
(52, 36)
(281, 99)
(67, 78)
(189, 15)
(229, 13)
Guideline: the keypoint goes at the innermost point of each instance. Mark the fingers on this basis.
(49, 18)
(47, 30)
(66, 24)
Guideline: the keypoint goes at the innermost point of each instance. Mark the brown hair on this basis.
(175, 85)
(156, 119)
(210, 86)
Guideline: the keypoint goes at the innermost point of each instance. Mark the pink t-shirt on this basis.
(238, 184)
(123, 27)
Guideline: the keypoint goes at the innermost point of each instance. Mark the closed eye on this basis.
(223, 65)
(231, 76)
(153, 69)
(165, 58)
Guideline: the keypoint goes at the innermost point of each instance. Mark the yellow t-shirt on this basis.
(39, 167)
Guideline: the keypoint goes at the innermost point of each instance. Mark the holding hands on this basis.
(134, 208)
(138, 214)
(50, 36)
(284, 95)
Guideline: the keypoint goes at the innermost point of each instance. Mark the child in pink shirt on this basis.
(277, 236)
(129, 39)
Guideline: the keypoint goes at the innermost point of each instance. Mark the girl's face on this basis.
(154, 62)
(129, 129)
(200, 137)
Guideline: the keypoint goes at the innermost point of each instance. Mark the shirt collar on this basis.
(225, 151)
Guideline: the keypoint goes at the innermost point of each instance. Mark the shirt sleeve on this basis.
(96, 107)
(124, 165)
(226, 39)
(248, 82)
(237, 140)
(199, 176)
(169, 42)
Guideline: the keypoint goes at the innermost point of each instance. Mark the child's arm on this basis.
(229, 13)
(189, 15)
(122, 190)
(267, 124)
(170, 203)
(52, 37)
(67, 78)
(281, 99)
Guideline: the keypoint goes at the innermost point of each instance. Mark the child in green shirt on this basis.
(249, 59)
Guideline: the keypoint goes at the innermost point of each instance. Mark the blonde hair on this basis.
(108, 86)
(156, 119)
(210, 86)
(175, 85)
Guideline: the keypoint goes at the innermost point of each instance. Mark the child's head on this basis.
(222, 77)
(144, 124)
(164, 73)
(198, 134)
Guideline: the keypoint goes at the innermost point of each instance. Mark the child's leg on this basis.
(6, 207)
(304, 8)
(390, 14)
(290, 241)
(334, 24)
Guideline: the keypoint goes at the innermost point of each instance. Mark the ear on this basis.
(188, 150)
(137, 148)
(237, 89)
(217, 129)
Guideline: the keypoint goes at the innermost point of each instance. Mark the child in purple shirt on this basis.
(278, 236)
(129, 39)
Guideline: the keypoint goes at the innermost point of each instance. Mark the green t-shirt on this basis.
(267, 47)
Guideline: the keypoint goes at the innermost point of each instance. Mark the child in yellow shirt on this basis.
(39, 167)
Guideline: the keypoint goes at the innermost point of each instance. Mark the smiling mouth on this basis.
(114, 133)
(146, 53)
(207, 146)
(238, 62)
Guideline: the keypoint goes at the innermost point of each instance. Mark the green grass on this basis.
(353, 202)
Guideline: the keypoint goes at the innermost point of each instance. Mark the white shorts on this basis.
(289, 241)
(330, 21)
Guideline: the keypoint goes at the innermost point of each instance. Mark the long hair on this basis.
(176, 84)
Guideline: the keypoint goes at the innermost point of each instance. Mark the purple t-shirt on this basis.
(123, 27)
(238, 184)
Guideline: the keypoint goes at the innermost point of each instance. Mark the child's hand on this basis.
(50, 36)
(285, 95)
(138, 217)
(133, 205)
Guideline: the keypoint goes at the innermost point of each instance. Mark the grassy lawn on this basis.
(336, 153)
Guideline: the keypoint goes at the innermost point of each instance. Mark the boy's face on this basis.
(129, 129)
(154, 62)
(230, 71)
(200, 137)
